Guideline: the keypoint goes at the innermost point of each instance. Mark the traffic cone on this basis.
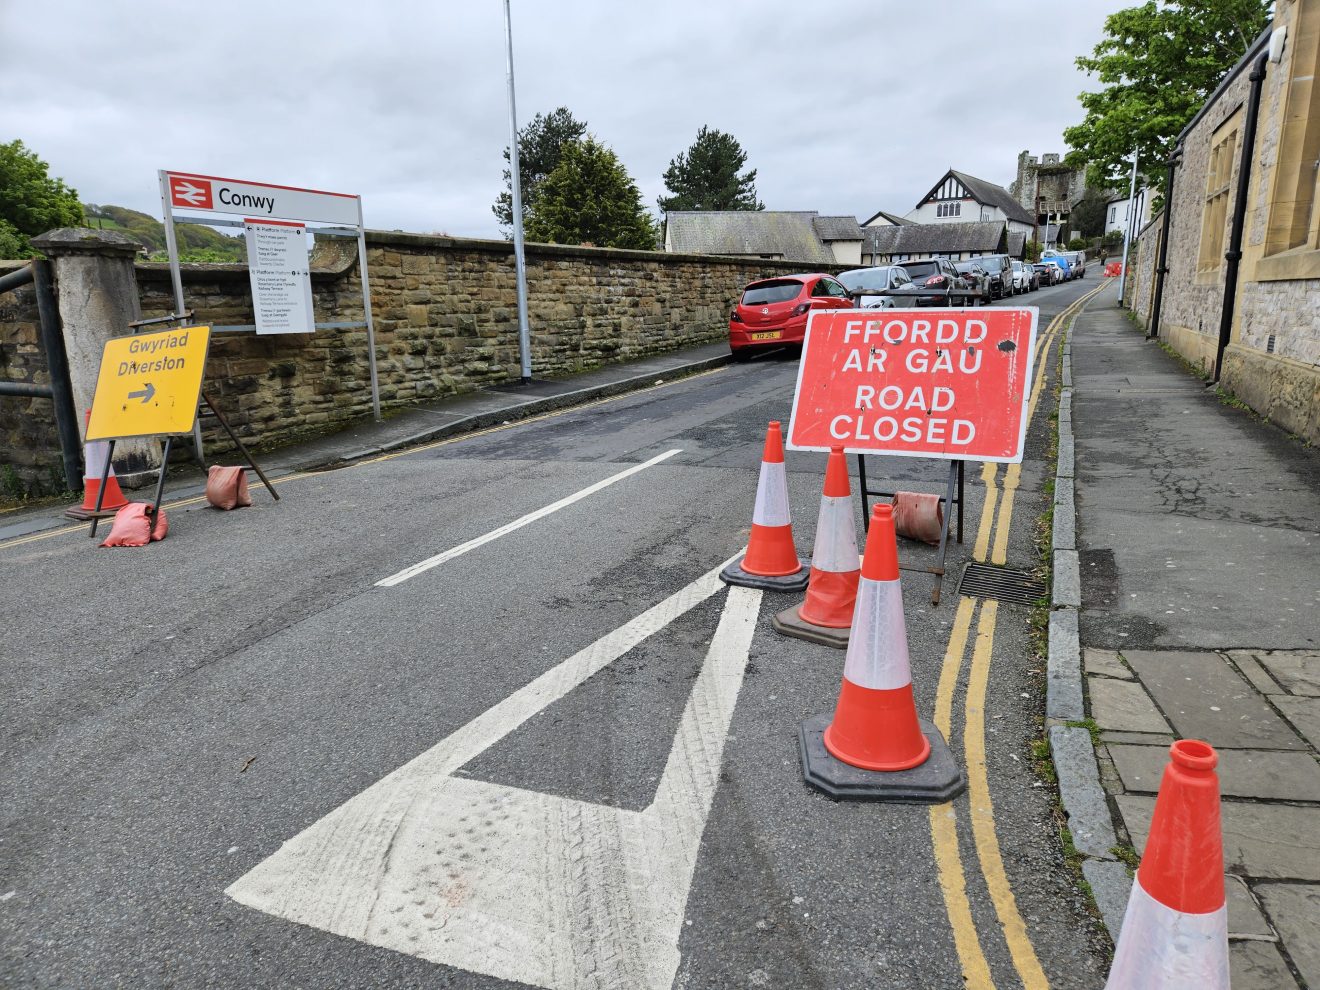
(1175, 931)
(876, 747)
(94, 458)
(826, 615)
(771, 561)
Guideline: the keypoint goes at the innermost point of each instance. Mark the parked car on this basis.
(891, 280)
(1060, 259)
(1000, 268)
(939, 278)
(976, 278)
(1050, 271)
(1077, 259)
(1024, 279)
(773, 312)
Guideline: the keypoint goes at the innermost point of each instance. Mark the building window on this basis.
(1113, 213)
(1293, 214)
(948, 209)
(1218, 183)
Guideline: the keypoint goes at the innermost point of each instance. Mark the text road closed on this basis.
(943, 383)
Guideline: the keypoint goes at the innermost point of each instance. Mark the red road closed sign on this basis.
(938, 383)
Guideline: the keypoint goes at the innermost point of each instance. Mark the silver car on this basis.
(892, 287)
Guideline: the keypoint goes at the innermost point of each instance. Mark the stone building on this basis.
(1047, 188)
(1261, 340)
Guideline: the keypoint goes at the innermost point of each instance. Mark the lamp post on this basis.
(520, 264)
(1127, 239)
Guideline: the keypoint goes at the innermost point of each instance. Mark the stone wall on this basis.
(446, 320)
(30, 462)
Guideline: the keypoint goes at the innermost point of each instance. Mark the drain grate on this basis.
(1002, 583)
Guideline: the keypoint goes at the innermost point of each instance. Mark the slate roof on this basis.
(791, 234)
(1017, 243)
(893, 218)
(987, 193)
(936, 238)
(837, 228)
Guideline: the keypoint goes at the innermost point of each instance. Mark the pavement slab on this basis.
(1297, 670)
(1163, 740)
(1295, 909)
(1245, 918)
(1105, 662)
(1247, 773)
(1124, 706)
(1303, 713)
(1206, 699)
(1266, 841)
(1253, 671)
(1258, 966)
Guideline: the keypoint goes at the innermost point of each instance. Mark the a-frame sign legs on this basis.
(953, 496)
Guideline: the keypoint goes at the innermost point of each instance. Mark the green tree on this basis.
(590, 199)
(539, 144)
(1158, 63)
(705, 177)
(1088, 215)
(31, 202)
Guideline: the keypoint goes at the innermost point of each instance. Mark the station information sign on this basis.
(938, 383)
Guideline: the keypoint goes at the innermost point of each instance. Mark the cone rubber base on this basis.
(937, 780)
(789, 622)
(78, 512)
(734, 574)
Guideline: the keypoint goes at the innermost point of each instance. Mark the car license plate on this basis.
(769, 335)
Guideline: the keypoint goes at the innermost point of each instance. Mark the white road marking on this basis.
(520, 885)
(507, 528)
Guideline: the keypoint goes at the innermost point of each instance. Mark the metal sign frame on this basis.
(327, 230)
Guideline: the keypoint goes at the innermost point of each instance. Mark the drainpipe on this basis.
(1234, 253)
(1161, 266)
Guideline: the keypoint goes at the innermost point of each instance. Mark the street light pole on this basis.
(520, 264)
(1127, 238)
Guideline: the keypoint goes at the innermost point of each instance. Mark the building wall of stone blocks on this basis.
(1272, 361)
(1189, 312)
(30, 461)
(445, 311)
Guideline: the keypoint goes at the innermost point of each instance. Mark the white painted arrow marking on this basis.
(524, 886)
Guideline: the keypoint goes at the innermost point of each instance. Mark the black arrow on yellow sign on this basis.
(144, 394)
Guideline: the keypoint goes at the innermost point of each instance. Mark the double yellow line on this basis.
(996, 519)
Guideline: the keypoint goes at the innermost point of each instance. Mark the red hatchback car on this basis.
(773, 312)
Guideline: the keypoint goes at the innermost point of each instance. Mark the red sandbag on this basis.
(918, 516)
(132, 526)
(227, 487)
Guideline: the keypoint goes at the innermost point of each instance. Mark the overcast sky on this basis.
(845, 108)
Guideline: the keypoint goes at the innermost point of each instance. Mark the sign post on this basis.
(281, 285)
(948, 384)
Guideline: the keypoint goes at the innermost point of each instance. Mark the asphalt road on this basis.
(478, 747)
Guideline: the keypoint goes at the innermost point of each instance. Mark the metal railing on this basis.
(51, 338)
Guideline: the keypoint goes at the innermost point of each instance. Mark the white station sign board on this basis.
(259, 199)
(280, 276)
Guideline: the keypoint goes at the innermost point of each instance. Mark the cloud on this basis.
(844, 108)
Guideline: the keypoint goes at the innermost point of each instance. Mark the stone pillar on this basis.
(96, 290)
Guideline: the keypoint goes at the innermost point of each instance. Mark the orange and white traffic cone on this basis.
(875, 746)
(95, 453)
(825, 616)
(771, 561)
(1175, 931)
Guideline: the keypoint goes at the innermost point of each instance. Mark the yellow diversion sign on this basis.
(149, 384)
